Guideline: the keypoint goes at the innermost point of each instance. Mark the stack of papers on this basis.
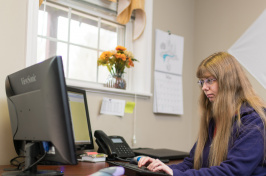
(93, 157)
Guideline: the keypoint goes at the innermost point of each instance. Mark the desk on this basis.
(81, 169)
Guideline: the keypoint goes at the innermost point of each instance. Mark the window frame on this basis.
(139, 84)
(69, 12)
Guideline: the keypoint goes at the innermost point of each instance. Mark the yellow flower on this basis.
(117, 60)
(120, 48)
(105, 55)
(130, 62)
(123, 57)
(118, 55)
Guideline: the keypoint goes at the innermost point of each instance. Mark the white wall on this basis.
(12, 58)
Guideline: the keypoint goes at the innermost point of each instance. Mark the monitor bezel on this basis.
(82, 147)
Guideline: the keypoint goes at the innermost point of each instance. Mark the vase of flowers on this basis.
(116, 61)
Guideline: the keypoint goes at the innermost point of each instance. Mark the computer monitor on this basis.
(80, 120)
(40, 115)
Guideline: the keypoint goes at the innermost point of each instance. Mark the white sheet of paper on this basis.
(250, 49)
(113, 107)
(169, 52)
(168, 93)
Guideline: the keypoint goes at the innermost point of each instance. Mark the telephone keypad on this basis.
(123, 150)
(121, 147)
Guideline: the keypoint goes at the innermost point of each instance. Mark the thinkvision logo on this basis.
(29, 79)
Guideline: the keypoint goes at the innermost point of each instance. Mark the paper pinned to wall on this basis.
(113, 107)
(168, 87)
(250, 50)
(129, 107)
(168, 93)
(169, 52)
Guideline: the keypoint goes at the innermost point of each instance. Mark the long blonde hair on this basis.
(234, 90)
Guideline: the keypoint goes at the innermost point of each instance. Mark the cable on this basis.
(134, 140)
(121, 159)
(15, 162)
(16, 118)
(35, 163)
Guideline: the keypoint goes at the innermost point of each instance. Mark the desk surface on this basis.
(81, 169)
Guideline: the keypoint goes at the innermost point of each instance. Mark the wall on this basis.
(207, 26)
(12, 56)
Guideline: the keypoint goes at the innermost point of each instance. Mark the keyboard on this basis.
(134, 170)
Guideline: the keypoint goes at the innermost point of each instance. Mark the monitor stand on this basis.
(31, 152)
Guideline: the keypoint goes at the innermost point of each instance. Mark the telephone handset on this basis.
(114, 146)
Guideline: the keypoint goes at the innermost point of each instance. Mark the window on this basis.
(138, 79)
(79, 38)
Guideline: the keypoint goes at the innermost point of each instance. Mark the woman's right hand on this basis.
(145, 161)
(155, 165)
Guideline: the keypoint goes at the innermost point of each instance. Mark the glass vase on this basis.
(116, 81)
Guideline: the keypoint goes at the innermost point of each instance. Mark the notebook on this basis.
(161, 153)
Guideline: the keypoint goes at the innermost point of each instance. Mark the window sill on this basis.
(99, 88)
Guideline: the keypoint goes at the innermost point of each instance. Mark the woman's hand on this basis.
(154, 165)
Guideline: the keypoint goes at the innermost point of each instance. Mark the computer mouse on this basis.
(135, 160)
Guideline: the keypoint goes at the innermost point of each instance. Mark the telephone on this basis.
(114, 146)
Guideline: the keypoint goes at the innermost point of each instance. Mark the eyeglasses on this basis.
(207, 81)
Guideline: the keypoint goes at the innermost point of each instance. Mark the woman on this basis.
(232, 136)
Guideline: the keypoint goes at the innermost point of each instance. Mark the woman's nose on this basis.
(205, 86)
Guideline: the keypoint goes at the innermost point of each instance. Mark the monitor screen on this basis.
(80, 119)
(40, 115)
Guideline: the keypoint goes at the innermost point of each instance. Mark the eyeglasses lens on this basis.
(207, 81)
